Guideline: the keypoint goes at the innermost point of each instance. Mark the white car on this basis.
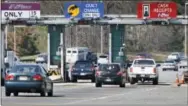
(41, 58)
(103, 59)
(143, 69)
(169, 65)
(183, 65)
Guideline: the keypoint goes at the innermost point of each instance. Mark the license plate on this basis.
(82, 74)
(108, 79)
(142, 75)
(152, 76)
(23, 78)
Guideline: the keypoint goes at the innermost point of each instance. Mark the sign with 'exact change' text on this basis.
(84, 9)
(25, 10)
(159, 10)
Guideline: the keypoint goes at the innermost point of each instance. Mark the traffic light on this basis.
(160, 23)
(86, 22)
(157, 22)
(18, 22)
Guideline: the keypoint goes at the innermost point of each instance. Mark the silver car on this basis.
(169, 65)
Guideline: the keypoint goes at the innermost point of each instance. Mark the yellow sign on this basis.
(73, 10)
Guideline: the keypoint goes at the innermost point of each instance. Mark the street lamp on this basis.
(185, 29)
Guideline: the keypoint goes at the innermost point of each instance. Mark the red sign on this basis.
(156, 10)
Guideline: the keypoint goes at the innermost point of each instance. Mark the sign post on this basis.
(13, 11)
(156, 10)
(83, 9)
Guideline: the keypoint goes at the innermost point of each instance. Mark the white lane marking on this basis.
(107, 97)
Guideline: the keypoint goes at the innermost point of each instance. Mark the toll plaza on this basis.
(88, 13)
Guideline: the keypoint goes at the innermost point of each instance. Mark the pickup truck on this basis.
(143, 69)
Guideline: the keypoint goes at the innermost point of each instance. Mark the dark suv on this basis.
(83, 70)
(110, 74)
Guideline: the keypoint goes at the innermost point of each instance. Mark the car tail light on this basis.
(9, 77)
(92, 68)
(154, 70)
(37, 77)
(72, 69)
(120, 73)
(98, 73)
(131, 69)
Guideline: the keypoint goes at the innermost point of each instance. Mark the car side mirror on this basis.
(158, 65)
(48, 74)
(95, 66)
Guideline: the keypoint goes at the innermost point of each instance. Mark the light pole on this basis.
(185, 29)
(101, 39)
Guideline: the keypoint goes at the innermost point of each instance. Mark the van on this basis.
(76, 53)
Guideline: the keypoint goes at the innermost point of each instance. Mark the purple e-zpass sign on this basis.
(20, 10)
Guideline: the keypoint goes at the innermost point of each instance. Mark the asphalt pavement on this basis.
(85, 93)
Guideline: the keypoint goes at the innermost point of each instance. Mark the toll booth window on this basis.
(81, 51)
(69, 51)
(74, 51)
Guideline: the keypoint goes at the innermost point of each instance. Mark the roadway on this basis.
(85, 93)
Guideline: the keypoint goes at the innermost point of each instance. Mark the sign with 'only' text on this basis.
(161, 10)
(14, 11)
(83, 9)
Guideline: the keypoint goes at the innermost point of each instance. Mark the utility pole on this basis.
(185, 29)
(48, 64)
(76, 36)
(62, 43)
(6, 36)
(15, 39)
(110, 48)
(101, 39)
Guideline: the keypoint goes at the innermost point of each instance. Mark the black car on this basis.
(83, 70)
(110, 74)
(28, 78)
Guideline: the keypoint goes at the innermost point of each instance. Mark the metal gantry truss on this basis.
(107, 19)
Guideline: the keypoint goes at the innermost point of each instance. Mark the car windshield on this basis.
(169, 61)
(102, 56)
(83, 64)
(109, 67)
(144, 62)
(41, 56)
(174, 54)
(26, 69)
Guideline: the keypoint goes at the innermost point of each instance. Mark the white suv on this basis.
(143, 70)
(103, 59)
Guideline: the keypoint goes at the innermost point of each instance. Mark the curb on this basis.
(182, 85)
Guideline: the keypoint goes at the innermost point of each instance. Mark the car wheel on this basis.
(98, 84)
(132, 81)
(74, 79)
(7, 93)
(2, 82)
(93, 80)
(43, 93)
(155, 81)
(164, 69)
(15, 93)
(50, 93)
(122, 84)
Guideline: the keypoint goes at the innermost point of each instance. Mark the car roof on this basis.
(144, 59)
(110, 64)
(27, 64)
(83, 61)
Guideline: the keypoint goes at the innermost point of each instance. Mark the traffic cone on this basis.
(177, 81)
(182, 80)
